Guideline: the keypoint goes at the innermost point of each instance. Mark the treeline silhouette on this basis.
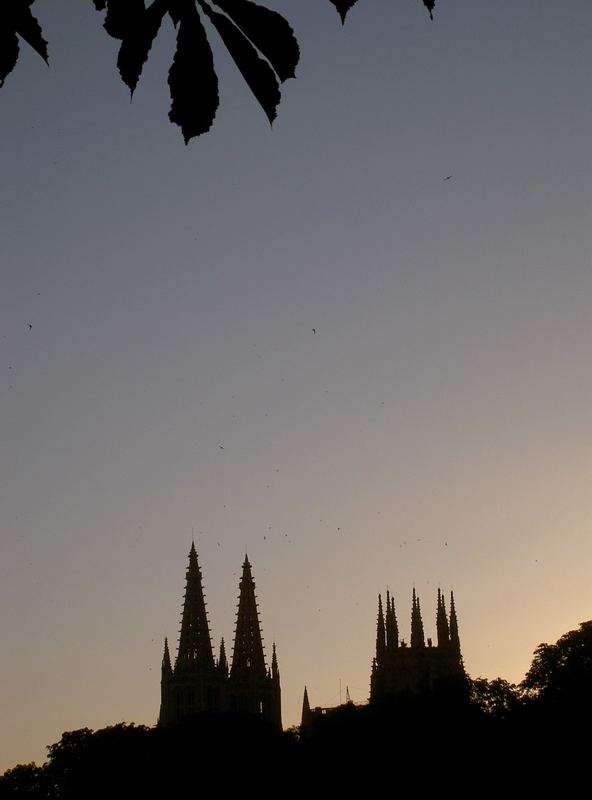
(467, 737)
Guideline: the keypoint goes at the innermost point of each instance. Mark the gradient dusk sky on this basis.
(436, 430)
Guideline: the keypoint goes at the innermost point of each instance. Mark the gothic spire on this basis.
(380, 633)
(275, 672)
(222, 662)
(195, 647)
(392, 629)
(454, 638)
(167, 670)
(442, 622)
(306, 713)
(417, 635)
(247, 657)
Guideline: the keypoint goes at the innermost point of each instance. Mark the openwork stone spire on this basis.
(248, 659)
(195, 646)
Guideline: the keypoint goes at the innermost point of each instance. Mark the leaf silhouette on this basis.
(271, 34)
(343, 6)
(258, 74)
(9, 51)
(192, 79)
(16, 19)
(175, 11)
(136, 44)
(30, 30)
(429, 4)
(122, 16)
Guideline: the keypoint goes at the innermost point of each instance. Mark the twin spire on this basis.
(195, 652)
(198, 682)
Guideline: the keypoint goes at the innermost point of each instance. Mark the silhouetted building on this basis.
(419, 666)
(198, 682)
(311, 715)
(399, 668)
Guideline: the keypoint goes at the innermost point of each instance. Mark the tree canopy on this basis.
(260, 41)
(561, 674)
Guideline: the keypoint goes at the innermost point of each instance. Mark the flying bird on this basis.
(314, 330)
(448, 177)
(30, 327)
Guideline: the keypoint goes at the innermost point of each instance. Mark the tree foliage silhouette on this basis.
(560, 675)
(260, 41)
(497, 698)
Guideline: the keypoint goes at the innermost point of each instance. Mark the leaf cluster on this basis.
(17, 20)
(260, 41)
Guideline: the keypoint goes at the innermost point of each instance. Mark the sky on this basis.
(435, 431)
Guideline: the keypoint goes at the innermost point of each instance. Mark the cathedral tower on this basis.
(198, 682)
(253, 689)
(398, 667)
(195, 683)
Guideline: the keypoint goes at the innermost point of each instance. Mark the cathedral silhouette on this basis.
(198, 682)
(401, 669)
(421, 666)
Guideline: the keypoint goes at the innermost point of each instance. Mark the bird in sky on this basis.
(448, 177)
(314, 330)
(30, 327)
